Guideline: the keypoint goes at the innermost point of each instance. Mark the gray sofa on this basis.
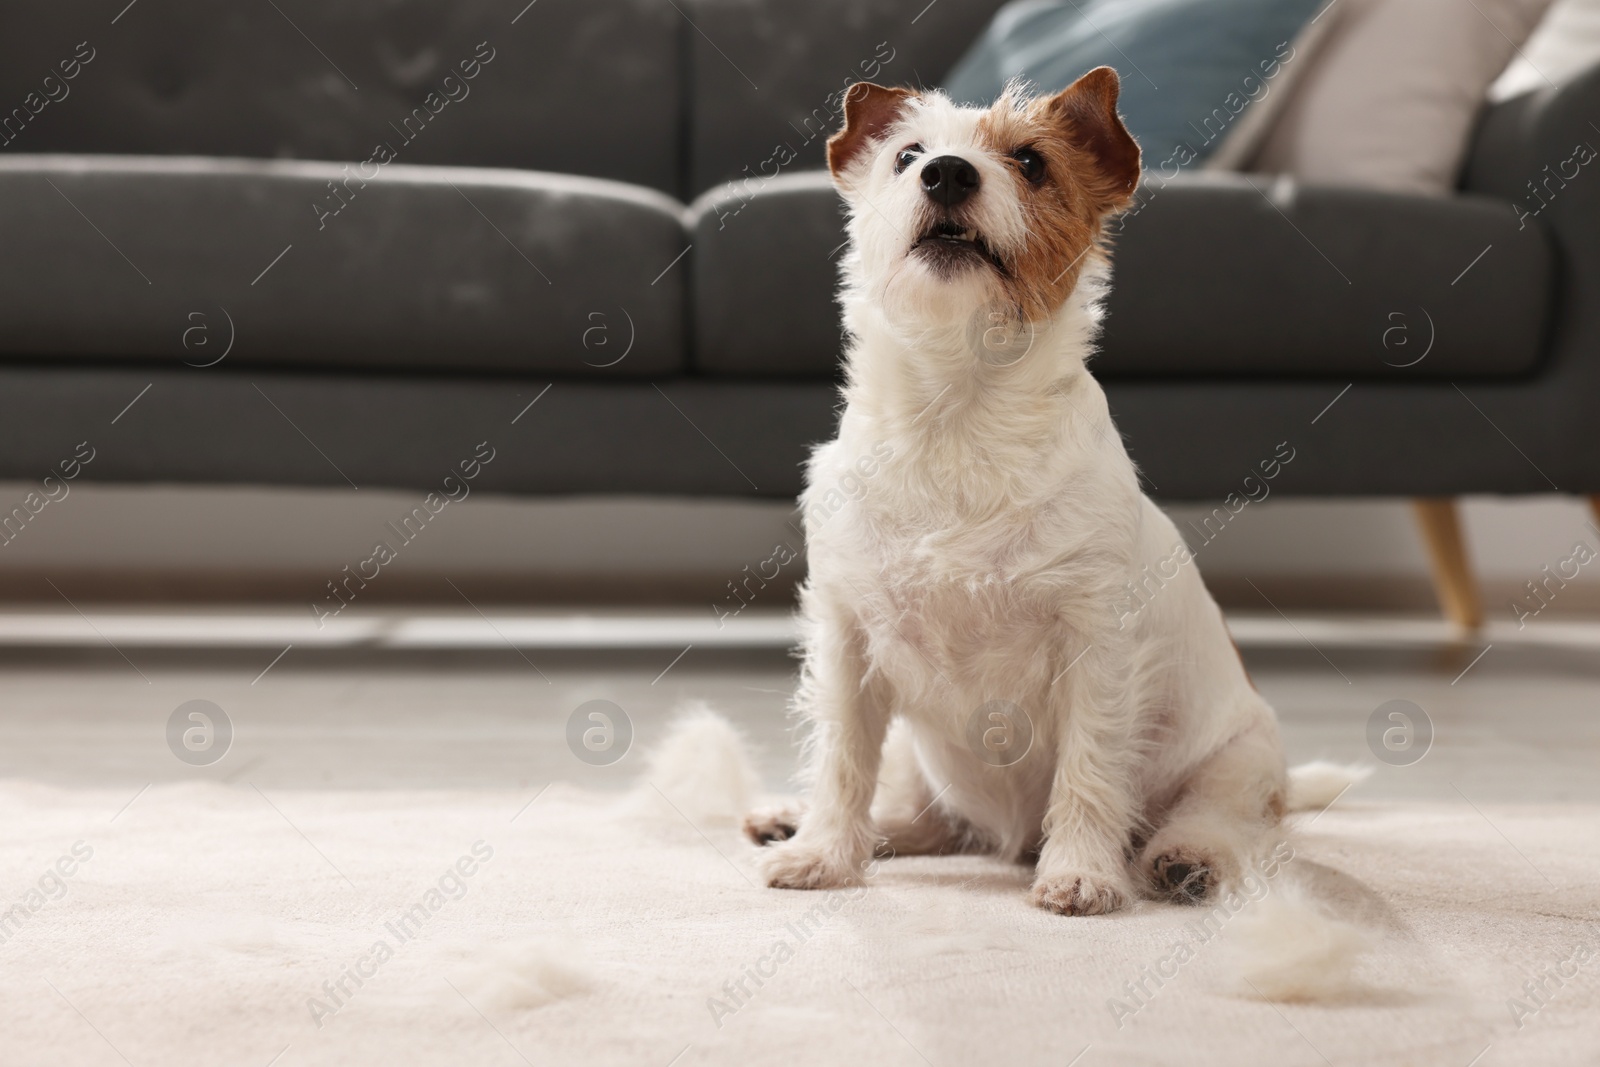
(577, 210)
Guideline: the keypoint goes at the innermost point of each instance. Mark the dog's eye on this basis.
(1030, 163)
(907, 156)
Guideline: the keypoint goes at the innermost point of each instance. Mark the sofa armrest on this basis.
(1541, 152)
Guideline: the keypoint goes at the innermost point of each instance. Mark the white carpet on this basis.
(609, 930)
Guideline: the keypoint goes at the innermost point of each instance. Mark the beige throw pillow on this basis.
(1242, 143)
(1390, 97)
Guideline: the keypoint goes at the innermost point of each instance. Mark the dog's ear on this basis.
(1086, 113)
(869, 110)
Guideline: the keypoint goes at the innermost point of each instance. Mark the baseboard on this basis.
(423, 588)
(1398, 594)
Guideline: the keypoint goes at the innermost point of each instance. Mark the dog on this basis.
(972, 676)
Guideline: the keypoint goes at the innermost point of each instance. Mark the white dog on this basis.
(975, 595)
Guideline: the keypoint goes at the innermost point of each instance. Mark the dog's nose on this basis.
(949, 179)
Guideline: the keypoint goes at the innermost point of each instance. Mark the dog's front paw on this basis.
(1079, 894)
(768, 825)
(797, 865)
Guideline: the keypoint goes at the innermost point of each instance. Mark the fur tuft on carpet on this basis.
(229, 924)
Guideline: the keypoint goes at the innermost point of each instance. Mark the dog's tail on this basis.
(1315, 785)
(703, 766)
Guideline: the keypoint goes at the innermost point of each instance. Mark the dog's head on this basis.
(955, 208)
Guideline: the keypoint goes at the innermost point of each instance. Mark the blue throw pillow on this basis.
(1189, 68)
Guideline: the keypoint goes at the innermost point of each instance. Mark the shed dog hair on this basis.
(972, 678)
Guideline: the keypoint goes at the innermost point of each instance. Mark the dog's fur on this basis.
(990, 555)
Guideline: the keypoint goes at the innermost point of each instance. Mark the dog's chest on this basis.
(956, 581)
(954, 622)
(963, 601)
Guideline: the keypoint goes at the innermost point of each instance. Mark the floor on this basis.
(231, 877)
(449, 702)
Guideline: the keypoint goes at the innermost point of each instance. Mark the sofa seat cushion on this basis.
(409, 432)
(116, 258)
(1215, 275)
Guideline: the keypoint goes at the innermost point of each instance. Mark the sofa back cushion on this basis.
(766, 76)
(580, 86)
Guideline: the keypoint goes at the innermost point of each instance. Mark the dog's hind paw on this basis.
(1078, 894)
(1183, 877)
(767, 825)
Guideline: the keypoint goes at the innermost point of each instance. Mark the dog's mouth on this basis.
(948, 244)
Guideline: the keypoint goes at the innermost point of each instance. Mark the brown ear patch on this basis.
(869, 111)
(1091, 170)
(1086, 112)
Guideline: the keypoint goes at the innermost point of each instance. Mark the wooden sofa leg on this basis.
(1594, 506)
(1447, 552)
